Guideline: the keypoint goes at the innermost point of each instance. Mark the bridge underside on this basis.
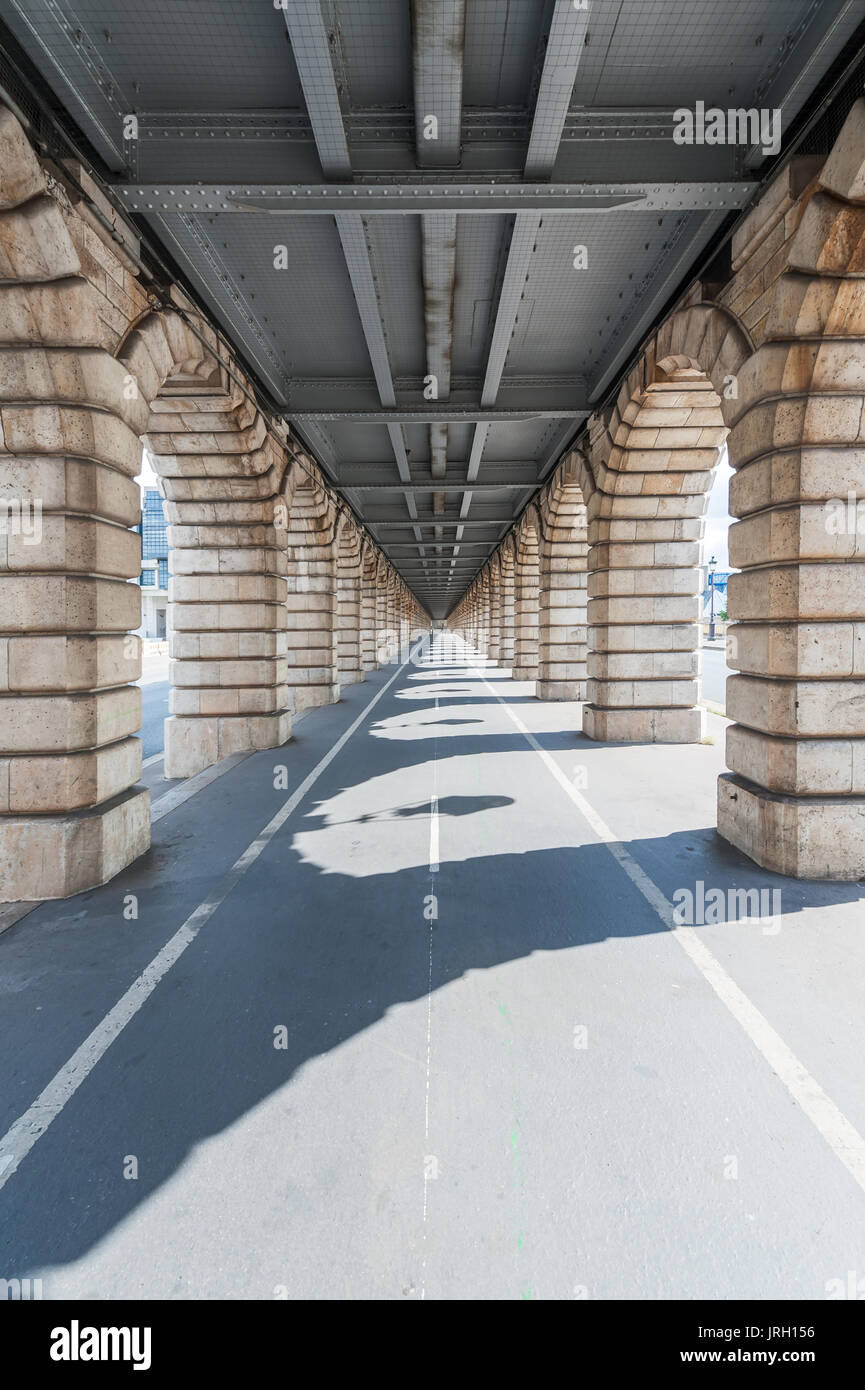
(425, 314)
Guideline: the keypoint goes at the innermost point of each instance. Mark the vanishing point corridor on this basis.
(432, 672)
(406, 1025)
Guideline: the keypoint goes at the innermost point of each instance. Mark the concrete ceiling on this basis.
(303, 125)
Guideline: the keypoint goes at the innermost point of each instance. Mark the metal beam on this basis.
(564, 49)
(561, 58)
(453, 414)
(311, 49)
(479, 125)
(394, 196)
(424, 522)
(439, 485)
(438, 40)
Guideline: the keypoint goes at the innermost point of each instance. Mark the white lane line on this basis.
(434, 835)
(154, 758)
(433, 905)
(843, 1138)
(21, 1136)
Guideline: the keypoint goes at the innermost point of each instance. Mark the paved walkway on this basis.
(403, 1014)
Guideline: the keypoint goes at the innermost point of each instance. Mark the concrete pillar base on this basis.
(802, 837)
(193, 744)
(561, 690)
(56, 856)
(644, 725)
(524, 673)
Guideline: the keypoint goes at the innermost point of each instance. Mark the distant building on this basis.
(154, 567)
(718, 583)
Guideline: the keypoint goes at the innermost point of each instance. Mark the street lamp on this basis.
(712, 563)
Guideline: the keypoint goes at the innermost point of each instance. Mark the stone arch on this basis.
(562, 598)
(221, 470)
(348, 565)
(653, 457)
(527, 583)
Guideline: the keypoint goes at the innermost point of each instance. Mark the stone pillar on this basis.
(645, 581)
(70, 814)
(381, 616)
(348, 603)
(227, 617)
(794, 799)
(562, 607)
(494, 610)
(404, 624)
(527, 599)
(368, 617)
(507, 610)
(392, 618)
(311, 599)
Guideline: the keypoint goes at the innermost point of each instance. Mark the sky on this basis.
(147, 477)
(718, 519)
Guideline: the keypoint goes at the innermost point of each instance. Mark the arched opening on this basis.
(715, 572)
(655, 459)
(220, 470)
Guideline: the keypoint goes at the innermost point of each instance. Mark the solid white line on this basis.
(433, 868)
(20, 1138)
(843, 1138)
(154, 758)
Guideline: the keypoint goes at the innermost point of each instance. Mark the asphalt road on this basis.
(155, 699)
(432, 1036)
(154, 711)
(715, 673)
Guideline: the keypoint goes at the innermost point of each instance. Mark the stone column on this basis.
(348, 603)
(227, 616)
(381, 616)
(70, 814)
(562, 606)
(494, 610)
(507, 633)
(794, 799)
(527, 600)
(368, 618)
(311, 599)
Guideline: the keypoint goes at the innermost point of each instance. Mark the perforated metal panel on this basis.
(325, 91)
